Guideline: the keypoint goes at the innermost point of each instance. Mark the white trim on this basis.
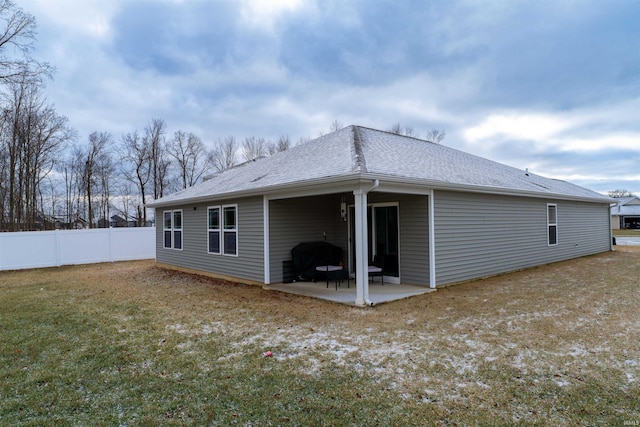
(219, 230)
(174, 229)
(360, 223)
(233, 230)
(344, 183)
(266, 253)
(165, 229)
(432, 240)
(552, 224)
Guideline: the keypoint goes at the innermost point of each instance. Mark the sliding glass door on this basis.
(382, 237)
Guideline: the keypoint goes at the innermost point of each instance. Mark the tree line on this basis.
(49, 179)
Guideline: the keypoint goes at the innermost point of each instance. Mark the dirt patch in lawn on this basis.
(553, 344)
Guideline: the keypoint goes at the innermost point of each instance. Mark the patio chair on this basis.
(377, 268)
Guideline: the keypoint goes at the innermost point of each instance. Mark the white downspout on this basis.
(432, 241)
(362, 255)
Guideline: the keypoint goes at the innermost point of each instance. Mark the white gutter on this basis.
(312, 184)
(432, 241)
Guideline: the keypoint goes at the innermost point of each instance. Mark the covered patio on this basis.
(378, 293)
(372, 225)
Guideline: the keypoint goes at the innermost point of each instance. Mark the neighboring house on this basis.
(626, 213)
(117, 221)
(435, 214)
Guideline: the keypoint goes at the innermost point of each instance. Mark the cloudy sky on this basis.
(552, 86)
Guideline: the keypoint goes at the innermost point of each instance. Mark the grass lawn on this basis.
(130, 344)
(627, 233)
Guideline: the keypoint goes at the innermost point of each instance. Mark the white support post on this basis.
(361, 246)
(266, 254)
(432, 242)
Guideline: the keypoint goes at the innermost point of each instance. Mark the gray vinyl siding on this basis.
(249, 264)
(414, 235)
(304, 219)
(479, 235)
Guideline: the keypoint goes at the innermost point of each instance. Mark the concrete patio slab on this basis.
(377, 293)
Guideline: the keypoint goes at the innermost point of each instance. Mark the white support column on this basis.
(361, 248)
(265, 238)
(432, 242)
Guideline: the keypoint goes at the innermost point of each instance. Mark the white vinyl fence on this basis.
(33, 249)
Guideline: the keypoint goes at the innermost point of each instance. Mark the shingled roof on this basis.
(358, 152)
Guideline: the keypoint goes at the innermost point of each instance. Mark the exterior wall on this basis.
(248, 265)
(304, 219)
(414, 235)
(479, 235)
(615, 222)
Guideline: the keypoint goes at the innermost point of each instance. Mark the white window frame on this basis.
(233, 230)
(218, 230)
(552, 224)
(166, 229)
(172, 229)
(222, 229)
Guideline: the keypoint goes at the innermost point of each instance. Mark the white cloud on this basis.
(533, 126)
(80, 18)
(262, 14)
(607, 127)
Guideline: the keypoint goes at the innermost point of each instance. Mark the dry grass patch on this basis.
(132, 344)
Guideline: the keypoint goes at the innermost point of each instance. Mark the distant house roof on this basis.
(356, 152)
(627, 206)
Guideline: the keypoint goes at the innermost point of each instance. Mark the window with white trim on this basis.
(177, 229)
(172, 229)
(213, 215)
(230, 230)
(222, 230)
(552, 224)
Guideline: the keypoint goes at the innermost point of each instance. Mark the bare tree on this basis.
(70, 171)
(96, 169)
(253, 148)
(158, 159)
(435, 135)
(127, 200)
(17, 36)
(398, 129)
(223, 155)
(617, 194)
(283, 144)
(136, 169)
(191, 158)
(335, 125)
(32, 136)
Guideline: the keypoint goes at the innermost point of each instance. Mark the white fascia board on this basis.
(408, 183)
(327, 185)
(388, 183)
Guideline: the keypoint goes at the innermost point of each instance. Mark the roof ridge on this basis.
(360, 161)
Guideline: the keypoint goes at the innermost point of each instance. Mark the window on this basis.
(214, 229)
(172, 229)
(230, 229)
(552, 224)
(167, 229)
(222, 230)
(177, 229)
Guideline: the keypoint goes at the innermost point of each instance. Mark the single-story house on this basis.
(436, 215)
(626, 213)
